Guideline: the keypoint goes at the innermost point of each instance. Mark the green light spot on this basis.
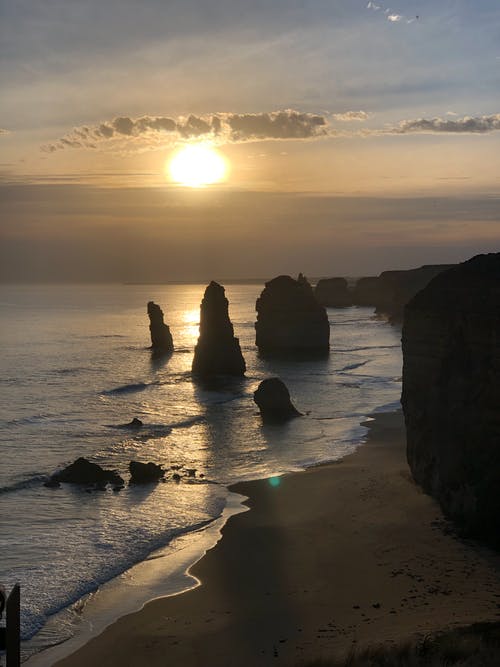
(274, 481)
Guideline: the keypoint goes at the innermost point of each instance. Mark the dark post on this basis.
(13, 627)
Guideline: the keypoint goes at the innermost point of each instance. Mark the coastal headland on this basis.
(350, 554)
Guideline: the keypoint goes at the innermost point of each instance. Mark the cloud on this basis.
(3, 131)
(155, 131)
(349, 116)
(392, 17)
(278, 125)
(466, 125)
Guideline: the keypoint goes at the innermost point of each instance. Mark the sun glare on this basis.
(197, 165)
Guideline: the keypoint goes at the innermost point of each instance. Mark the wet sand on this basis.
(342, 555)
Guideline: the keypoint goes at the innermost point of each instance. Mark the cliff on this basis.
(391, 290)
(290, 321)
(217, 351)
(451, 392)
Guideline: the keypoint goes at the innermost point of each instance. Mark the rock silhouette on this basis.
(145, 473)
(290, 321)
(451, 392)
(217, 351)
(161, 338)
(333, 293)
(273, 399)
(392, 290)
(83, 471)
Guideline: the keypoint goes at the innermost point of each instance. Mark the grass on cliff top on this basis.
(477, 645)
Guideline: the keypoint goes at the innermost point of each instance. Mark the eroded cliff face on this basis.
(451, 392)
(392, 290)
(290, 321)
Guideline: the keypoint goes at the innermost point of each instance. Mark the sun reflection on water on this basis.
(191, 321)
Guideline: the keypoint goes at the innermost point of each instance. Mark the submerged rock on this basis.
(145, 473)
(333, 293)
(273, 399)
(290, 321)
(135, 423)
(83, 471)
(451, 390)
(217, 351)
(161, 338)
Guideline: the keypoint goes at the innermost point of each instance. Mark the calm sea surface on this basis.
(75, 366)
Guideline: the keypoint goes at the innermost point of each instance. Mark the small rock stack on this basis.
(161, 338)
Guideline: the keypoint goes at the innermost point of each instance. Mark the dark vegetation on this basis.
(477, 645)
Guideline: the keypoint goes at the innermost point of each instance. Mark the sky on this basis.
(360, 136)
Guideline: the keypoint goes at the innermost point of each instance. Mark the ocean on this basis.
(76, 367)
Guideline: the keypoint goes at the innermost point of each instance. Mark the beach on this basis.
(350, 554)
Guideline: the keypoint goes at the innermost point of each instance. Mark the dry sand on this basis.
(346, 554)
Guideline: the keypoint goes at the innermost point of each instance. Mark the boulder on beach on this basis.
(217, 351)
(145, 473)
(290, 321)
(451, 390)
(161, 338)
(273, 399)
(83, 471)
(333, 293)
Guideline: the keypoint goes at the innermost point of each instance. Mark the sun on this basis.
(196, 165)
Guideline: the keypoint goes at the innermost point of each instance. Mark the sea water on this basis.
(75, 368)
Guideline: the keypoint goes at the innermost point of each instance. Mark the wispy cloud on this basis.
(390, 15)
(349, 116)
(3, 131)
(158, 131)
(465, 125)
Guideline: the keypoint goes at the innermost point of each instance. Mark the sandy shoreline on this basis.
(345, 554)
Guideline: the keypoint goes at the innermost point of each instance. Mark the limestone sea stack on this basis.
(217, 351)
(161, 338)
(290, 321)
(273, 399)
(451, 392)
(333, 293)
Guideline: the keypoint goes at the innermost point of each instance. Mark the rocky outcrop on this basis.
(451, 392)
(367, 291)
(161, 338)
(290, 321)
(145, 473)
(217, 351)
(333, 293)
(134, 424)
(392, 290)
(83, 471)
(273, 399)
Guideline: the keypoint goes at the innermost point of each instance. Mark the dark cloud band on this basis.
(234, 128)
(467, 125)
